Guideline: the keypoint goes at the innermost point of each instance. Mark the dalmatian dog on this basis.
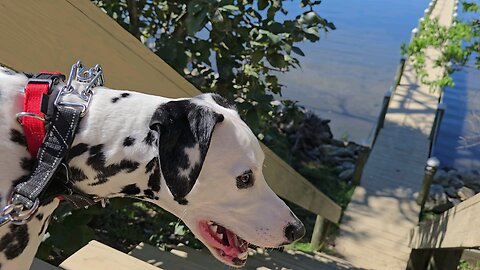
(193, 157)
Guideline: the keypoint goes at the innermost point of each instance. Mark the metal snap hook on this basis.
(20, 115)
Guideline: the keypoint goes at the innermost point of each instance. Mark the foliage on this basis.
(457, 44)
(70, 229)
(464, 265)
(232, 47)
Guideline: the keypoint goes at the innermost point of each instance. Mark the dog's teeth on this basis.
(210, 223)
(243, 255)
(220, 236)
(214, 228)
(235, 239)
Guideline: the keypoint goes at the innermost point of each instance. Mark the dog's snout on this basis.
(294, 231)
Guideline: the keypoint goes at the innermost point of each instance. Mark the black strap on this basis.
(54, 149)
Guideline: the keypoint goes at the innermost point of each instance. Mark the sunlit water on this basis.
(344, 76)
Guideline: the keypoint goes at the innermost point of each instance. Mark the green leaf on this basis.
(229, 8)
(298, 51)
(262, 4)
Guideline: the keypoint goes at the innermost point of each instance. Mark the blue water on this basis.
(458, 142)
(344, 76)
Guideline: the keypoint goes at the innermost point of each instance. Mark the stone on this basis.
(451, 192)
(343, 153)
(455, 201)
(437, 193)
(465, 193)
(441, 178)
(456, 182)
(471, 179)
(347, 174)
(348, 165)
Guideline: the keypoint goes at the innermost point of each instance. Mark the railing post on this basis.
(360, 164)
(398, 74)
(430, 169)
(319, 232)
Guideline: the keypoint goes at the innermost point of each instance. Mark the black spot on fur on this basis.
(14, 243)
(77, 174)
(149, 138)
(149, 193)
(97, 161)
(223, 102)
(39, 216)
(130, 190)
(182, 201)
(27, 164)
(17, 137)
(96, 158)
(151, 164)
(128, 141)
(123, 95)
(154, 178)
(182, 124)
(77, 150)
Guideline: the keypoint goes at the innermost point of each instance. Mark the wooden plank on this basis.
(185, 257)
(96, 255)
(36, 38)
(456, 228)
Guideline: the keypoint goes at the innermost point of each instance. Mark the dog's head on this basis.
(212, 165)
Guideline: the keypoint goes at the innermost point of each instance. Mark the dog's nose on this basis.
(294, 231)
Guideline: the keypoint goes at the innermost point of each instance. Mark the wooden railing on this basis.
(439, 243)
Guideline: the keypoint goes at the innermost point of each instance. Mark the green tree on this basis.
(232, 47)
(459, 45)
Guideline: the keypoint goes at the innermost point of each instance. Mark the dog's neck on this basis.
(114, 154)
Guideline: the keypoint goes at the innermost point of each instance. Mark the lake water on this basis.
(458, 142)
(344, 76)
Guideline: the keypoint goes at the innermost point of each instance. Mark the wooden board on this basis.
(96, 255)
(456, 228)
(52, 35)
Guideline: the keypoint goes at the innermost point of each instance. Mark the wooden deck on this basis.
(96, 255)
(375, 229)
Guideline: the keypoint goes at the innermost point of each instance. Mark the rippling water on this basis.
(344, 76)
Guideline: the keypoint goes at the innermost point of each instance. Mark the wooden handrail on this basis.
(456, 228)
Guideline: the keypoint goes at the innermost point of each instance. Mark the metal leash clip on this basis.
(15, 213)
(92, 77)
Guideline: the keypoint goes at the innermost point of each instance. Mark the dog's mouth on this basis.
(229, 247)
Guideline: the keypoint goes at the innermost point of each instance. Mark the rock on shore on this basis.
(451, 187)
(313, 142)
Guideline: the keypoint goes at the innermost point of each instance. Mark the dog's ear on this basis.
(185, 130)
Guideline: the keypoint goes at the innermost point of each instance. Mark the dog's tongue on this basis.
(232, 249)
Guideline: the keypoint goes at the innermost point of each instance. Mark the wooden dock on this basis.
(375, 229)
(96, 255)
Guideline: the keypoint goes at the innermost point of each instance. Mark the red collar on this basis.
(32, 118)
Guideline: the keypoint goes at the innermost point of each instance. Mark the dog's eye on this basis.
(245, 180)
